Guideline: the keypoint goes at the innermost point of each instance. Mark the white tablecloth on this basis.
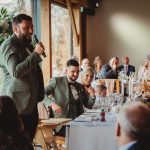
(91, 136)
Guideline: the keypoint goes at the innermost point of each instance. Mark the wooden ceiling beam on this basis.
(79, 3)
(73, 24)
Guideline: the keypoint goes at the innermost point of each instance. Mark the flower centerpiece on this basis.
(5, 24)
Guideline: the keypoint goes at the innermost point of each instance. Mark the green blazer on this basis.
(58, 91)
(23, 80)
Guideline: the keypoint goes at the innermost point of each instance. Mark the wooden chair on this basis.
(115, 84)
(44, 134)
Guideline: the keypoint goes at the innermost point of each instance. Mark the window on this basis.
(19, 6)
(61, 38)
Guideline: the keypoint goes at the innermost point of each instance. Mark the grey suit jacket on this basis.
(59, 91)
(23, 79)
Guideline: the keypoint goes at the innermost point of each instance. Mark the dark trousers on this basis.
(30, 123)
(62, 132)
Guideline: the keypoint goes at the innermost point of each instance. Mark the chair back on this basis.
(113, 85)
(42, 111)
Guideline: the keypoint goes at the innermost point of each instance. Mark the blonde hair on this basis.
(96, 60)
(87, 69)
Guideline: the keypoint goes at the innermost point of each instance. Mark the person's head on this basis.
(125, 60)
(72, 69)
(9, 118)
(87, 76)
(101, 90)
(97, 63)
(148, 57)
(117, 61)
(23, 27)
(75, 57)
(85, 63)
(114, 60)
(146, 63)
(133, 123)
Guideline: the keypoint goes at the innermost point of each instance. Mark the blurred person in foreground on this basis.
(23, 79)
(12, 136)
(133, 127)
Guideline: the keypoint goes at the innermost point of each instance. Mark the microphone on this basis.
(36, 41)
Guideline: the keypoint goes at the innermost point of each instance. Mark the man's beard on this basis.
(25, 40)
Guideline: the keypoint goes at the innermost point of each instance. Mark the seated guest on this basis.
(86, 79)
(97, 67)
(126, 67)
(68, 96)
(75, 57)
(100, 93)
(133, 127)
(117, 61)
(144, 71)
(11, 135)
(84, 64)
(110, 71)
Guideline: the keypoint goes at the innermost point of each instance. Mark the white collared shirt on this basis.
(125, 69)
(127, 146)
(73, 90)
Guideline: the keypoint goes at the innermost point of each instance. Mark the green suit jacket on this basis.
(58, 91)
(23, 79)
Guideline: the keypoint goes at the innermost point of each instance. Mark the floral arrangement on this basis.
(5, 24)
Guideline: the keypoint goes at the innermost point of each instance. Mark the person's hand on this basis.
(114, 66)
(57, 109)
(39, 48)
(91, 91)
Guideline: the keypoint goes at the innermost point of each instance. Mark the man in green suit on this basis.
(23, 80)
(66, 97)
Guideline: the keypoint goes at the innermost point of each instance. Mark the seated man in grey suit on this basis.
(65, 96)
(126, 67)
(110, 71)
(133, 127)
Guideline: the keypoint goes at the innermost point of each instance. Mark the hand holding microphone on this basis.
(39, 48)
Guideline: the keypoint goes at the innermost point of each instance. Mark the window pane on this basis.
(61, 39)
(19, 6)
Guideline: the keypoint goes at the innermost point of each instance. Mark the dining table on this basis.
(88, 132)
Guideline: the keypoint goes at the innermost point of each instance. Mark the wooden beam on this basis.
(46, 38)
(80, 3)
(73, 24)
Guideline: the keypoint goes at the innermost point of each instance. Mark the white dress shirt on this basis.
(125, 69)
(73, 90)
